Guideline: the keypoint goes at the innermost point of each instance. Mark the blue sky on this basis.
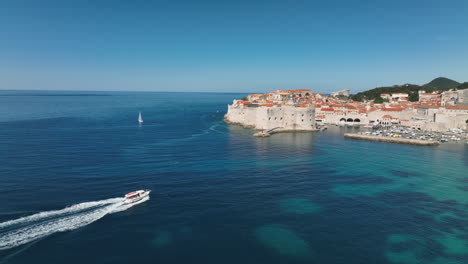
(230, 46)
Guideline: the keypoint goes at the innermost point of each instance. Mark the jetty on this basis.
(410, 141)
(263, 133)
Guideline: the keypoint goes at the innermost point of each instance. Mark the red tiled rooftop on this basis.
(392, 109)
(456, 107)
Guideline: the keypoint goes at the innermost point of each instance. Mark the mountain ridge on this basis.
(439, 83)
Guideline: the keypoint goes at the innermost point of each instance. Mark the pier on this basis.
(417, 142)
(267, 133)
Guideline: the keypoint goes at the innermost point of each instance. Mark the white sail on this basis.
(140, 120)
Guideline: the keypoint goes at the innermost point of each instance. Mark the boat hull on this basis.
(138, 198)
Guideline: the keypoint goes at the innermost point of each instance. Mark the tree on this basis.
(376, 92)
(379, 100)
(357, 97)
(244, 98)
(429, 90)
(463, 86)
(413, 97)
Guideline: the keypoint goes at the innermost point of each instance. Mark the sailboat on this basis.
(140, 120)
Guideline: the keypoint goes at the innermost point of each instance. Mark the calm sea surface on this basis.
(219, 195)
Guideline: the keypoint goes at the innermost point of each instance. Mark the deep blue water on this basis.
(219, 194)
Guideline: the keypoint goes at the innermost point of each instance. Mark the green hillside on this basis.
(375, 93)
(441, 83)
(463, 86)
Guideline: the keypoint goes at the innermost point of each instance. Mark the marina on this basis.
(412, 136)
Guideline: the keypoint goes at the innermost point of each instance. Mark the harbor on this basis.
(211, 176)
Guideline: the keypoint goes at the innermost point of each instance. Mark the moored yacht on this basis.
(136, 196)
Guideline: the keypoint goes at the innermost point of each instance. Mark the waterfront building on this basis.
(285, 108)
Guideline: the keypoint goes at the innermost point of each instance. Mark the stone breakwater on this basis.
(280, 118)
(417, 142)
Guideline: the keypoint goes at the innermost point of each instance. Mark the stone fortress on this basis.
(302, 110)
(275, 111)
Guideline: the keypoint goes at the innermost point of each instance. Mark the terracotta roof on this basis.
(456, 107)
(428, 106)
(392, 109)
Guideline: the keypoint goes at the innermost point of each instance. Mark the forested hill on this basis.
(463, 86)
(440, 83)
(375, 93)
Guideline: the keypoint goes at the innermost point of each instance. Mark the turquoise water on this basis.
(219, 194)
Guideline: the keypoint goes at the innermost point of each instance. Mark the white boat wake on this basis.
(20, 231)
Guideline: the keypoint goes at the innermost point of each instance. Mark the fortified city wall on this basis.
(463, 97)
(285, 117)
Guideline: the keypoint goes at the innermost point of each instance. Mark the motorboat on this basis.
(136, 196)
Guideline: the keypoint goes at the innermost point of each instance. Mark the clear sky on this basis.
(230, 46)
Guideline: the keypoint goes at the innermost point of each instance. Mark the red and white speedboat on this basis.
(136, 196)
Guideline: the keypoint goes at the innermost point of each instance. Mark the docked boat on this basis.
(136, 196)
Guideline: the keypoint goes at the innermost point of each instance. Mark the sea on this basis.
(219, 195)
